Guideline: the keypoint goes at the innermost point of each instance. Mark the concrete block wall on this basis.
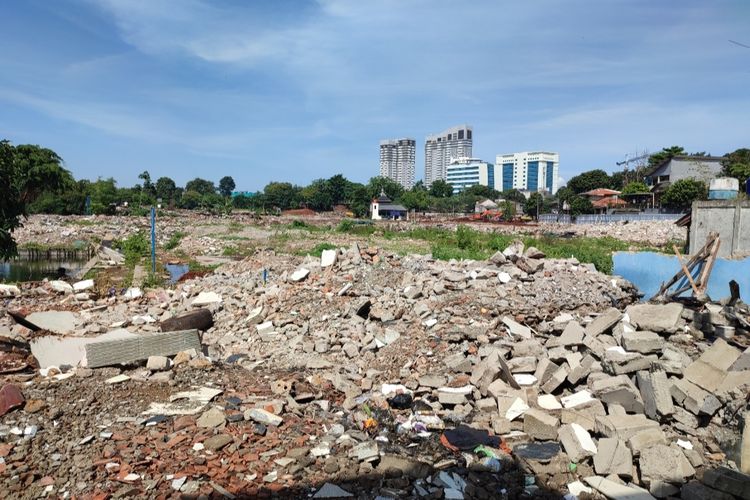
(730, 218)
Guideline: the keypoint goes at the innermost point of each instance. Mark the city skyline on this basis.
(194, 88)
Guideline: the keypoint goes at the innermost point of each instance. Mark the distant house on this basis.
(481, 206)
(700, 168)
(604, 199)
(383, 208)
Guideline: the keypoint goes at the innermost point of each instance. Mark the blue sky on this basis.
(295, 91)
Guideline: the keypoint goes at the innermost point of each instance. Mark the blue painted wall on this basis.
(648, 270)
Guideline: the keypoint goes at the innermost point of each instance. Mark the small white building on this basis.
(383, 208)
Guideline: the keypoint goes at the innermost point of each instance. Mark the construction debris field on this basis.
(322, 358)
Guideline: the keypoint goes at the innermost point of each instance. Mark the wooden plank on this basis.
(685, 270)
(706, 274)
(123, 351)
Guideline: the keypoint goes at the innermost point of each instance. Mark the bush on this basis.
(345, 226)
(317, 251)
(135, 247)
(466, 238)
(174, 240)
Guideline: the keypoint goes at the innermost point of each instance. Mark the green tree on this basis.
(665, 154)
(415, 200)
(200, 186)
(148, 187)
(282, 195)
(484, 192)
(565, 194)
(336, 187)
(317, 195)
(190, 200)
(635, 188)
(580, 205)
(513, 195)
(392, 189)
(441, 189)
(534, 205)
(104, 196)
(683, 193)
(737, 164)
(419, 186)
(226, 186)
(166, 189)
(358, 199)
(590, 180)
(509, 210)
(26, 171)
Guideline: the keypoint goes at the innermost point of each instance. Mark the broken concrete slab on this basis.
(572, 335)
(127, 350)
(655, 317)
(693, 398)
(300, 274)
(604, 322)
(51, 350)
(327, 258)
(643, 342)
(646, 438)
(540, 425)
(665, 463)
(728, 481)
(517, 329)
(62, 322)
(618, 390)
(185, 402)
(206, 298)
(9, 290)
(576, 441)
(618, 362)
(613, 457)
(61, 286)
(613, 490)
(624, 426)
(655, 393)
(695, 490)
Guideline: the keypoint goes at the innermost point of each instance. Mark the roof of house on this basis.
(601, 192)
(391, 207)
(609, 202)
(682, 157)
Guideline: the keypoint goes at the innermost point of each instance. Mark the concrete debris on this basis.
(358, 368)
(9, 290)
(655, 317)
(126, 350)
(61, 322)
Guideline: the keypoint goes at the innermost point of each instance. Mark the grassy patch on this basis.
(174, 240)
(134, 247)
(317, 250)
(235, 227)
(467, 243)
(197, 267)
(238, 251)
(364, 228)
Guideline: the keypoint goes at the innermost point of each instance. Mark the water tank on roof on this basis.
(723, 188)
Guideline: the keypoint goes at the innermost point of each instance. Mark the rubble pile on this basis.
(367, 374)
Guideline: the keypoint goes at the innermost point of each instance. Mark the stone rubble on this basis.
(339, 376)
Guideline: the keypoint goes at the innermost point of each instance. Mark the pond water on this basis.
(176, 271)
(648, 270)
(37, 270)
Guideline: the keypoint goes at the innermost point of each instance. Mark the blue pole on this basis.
(153, 240)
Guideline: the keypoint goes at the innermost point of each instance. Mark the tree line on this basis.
(34, 180)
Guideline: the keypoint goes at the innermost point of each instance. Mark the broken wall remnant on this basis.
(729, 218)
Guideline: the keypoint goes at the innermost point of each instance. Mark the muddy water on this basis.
(37, 270)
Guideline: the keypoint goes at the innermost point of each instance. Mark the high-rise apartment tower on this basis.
(442, 148)
(397, 159)
(529, 171)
